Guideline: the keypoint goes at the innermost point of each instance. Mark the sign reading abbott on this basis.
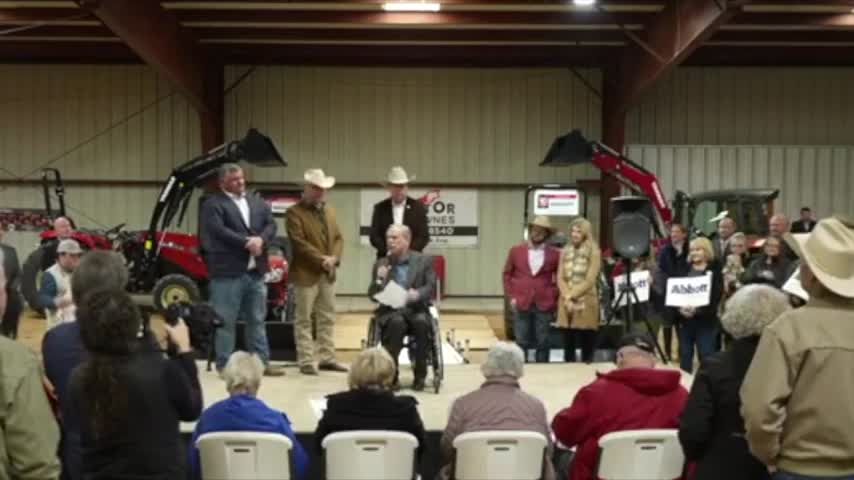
(689, 291)
(452, 215)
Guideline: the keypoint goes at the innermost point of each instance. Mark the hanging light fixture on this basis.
(421, 6)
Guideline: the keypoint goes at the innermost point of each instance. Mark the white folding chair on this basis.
(370, 455)
(245, 456)
(499, 455)
(640, 455)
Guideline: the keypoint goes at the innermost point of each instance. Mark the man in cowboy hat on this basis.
(317, 246)
(796, 397)
(529, 284)
(399, 209)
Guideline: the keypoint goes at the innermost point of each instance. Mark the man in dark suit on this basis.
(14, 304)
(400, 209)
(414, 272)
(235, 230)
(806, 223)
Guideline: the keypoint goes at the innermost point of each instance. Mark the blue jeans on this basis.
(243, 297)
(781, 475)
(703, 333)
(532, 331)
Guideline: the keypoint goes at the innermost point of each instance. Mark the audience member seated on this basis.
(55, 290)
(499, 404)
(130, 397)
(796, 396)
(711, 428)
(634, 396)
(243, 411)
(63, 351)
(29, 435)
(413, 272)
(370, 403)
(772, 266)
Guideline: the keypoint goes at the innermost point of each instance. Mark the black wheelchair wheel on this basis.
(438, 364)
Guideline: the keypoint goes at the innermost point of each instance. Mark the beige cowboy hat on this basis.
(542, 221)
(316, 177)
(829, 252)
(397, 176)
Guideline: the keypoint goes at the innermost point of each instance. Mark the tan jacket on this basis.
(306, 237)
(798, 395)
(29, 435)
(584, 292)
(499, 404)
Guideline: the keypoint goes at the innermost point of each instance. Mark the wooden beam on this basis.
(674, 34)
(156, 36)
(614, 136)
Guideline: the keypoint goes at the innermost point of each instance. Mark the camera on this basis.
(201, 319)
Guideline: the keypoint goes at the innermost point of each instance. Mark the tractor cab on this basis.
(750, 208)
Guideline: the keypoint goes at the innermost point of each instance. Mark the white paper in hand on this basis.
(689, 291)
(393, 295)
(793, 286)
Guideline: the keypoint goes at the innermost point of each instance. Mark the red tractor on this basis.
(166, 263)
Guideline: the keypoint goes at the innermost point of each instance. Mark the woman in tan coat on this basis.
(578, 308)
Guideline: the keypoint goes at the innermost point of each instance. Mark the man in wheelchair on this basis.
(414, 272)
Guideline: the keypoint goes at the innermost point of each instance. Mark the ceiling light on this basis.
(412, 6)
(584, 3)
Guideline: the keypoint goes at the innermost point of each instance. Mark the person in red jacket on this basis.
(529, 283)
(634, 396)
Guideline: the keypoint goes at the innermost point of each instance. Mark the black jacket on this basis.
(777, 272)
(711, 429)
(800, 226)
(363, 409)
(414, 217)
(161, 392)
(223, 234)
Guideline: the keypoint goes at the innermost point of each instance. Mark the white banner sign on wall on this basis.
(452, 215)
(689, 291)
(641, 282)
(556, 202)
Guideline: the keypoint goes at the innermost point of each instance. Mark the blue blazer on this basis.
(223, 234)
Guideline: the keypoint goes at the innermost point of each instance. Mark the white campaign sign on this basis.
(452, 215)
(556, 202)
(641, 282)
(689, 291)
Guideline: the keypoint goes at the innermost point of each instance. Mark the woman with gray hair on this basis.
(242, 411)
(499, 404)
(711, 428)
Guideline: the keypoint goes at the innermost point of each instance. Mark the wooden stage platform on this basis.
(555, 384)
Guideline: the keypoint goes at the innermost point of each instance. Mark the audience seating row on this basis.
(387, 455)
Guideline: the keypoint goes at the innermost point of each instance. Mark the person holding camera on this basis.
(129, 397)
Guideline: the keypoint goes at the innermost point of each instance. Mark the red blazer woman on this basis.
(524, 287)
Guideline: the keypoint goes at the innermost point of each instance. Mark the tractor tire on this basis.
(175, 288)
(31, 279)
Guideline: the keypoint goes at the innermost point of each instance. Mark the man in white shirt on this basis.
(530, 285)
(399, 209)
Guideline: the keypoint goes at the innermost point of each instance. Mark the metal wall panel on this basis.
(747, 106)
(815, 176)
(444, 125)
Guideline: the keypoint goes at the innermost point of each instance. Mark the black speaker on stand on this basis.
(631, 230)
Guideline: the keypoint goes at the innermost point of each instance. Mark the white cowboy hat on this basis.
(829, 252)
(542, 221)
(397, 176)
(316, 177)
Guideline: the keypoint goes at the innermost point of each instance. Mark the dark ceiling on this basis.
(463, 33)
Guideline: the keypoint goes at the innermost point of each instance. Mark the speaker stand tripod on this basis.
(628, 292)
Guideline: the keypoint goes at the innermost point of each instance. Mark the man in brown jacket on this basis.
(797, 395)
(317, 246)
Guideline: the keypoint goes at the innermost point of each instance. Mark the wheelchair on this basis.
(434, 352)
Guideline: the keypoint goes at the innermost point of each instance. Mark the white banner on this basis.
(556, 202)
(689, 291)
(452, 215)
(641, 282)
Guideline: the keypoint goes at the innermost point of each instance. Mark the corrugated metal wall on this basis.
(445, 126)
(817, 176)
(91, 122)
(747, 106)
